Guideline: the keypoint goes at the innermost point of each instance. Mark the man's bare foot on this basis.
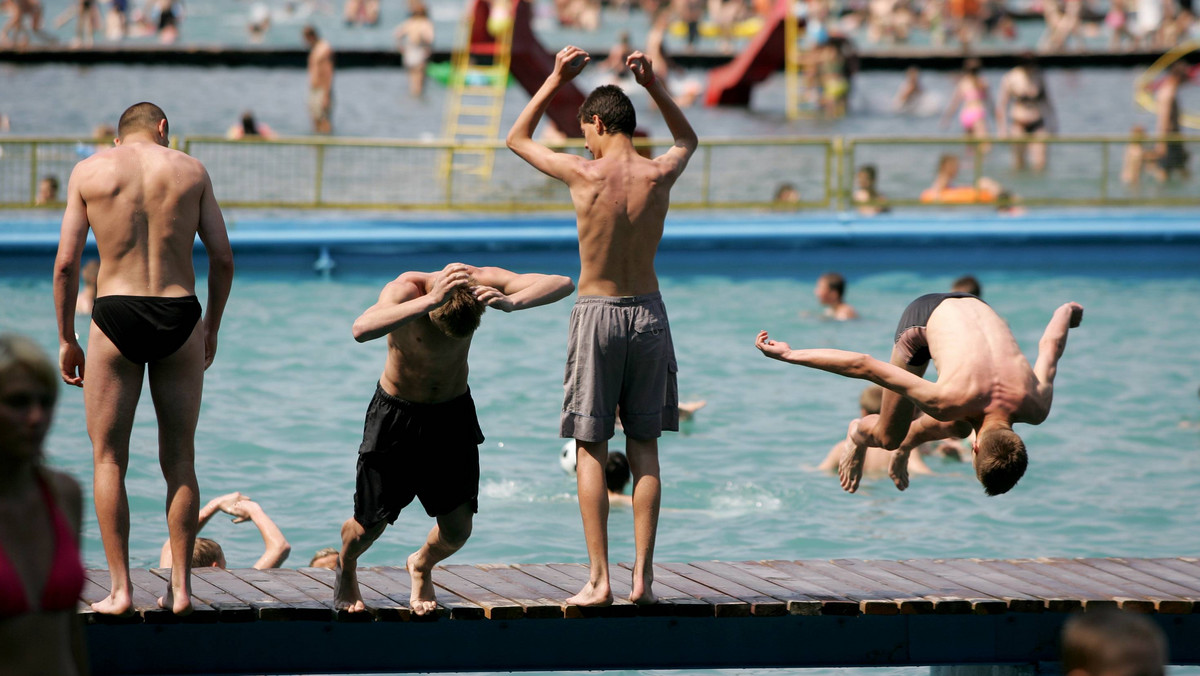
(423, 599)
(346, 595)
(180, 604)
(898, 468)
(854, 454)
(641, 594)
(592, 595)
(110, 605)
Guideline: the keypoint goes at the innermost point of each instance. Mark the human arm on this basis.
(223, 503)
(1162, 124)
(1050, 350)
(509, 291)
(567, 64)
(275, 547)
(676, 158)
(854, 365)
(71, 242)
(220, 266)
(405, 299)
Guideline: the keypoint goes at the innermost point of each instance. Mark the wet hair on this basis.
(1114, 643)
(459, 316)
(835, 282)
(870, 171)
(968, 284)
(20, 352)
(322, 553)
(143, 116)
(613, 107)
(1000, 460)
(249, 126)
(871, 399)
(616, 472)
(206, 553)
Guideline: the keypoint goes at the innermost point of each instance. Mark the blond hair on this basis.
(1000, 460)
(18, 351)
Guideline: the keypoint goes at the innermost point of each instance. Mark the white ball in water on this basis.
(566, 459)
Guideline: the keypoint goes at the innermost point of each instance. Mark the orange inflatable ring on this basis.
(963, 195)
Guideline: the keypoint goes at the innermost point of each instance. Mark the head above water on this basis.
(968, 284)
(831, 288)
(459, 316)
(610, 106)
(325, 558)
(144, 118)
(616, 472)
(1000, 460)
(1112, 643)
(207, 553)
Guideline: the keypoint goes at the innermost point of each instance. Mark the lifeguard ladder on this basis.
(477, 89)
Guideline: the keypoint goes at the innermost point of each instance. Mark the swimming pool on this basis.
(1111, 472)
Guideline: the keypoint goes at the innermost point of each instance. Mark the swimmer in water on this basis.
(830, 290)
(878, 460)
(984, 384)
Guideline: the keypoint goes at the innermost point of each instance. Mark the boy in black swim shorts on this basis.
(421, 437)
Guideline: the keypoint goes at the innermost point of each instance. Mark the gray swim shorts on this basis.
(619, 353)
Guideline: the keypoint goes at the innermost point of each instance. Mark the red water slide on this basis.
(531, 62)
(730, 85)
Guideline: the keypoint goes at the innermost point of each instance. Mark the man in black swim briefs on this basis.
(421, 437)
(145, 204)
(984, 384)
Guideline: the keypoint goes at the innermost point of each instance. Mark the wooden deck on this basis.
(496, 617)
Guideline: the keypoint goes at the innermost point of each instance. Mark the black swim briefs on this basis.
(428, 451)
(910, 333)
(146, 328)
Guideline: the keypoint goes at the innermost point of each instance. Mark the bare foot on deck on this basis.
(113, 606)
(423, 599)
(641, 593)
(180, 604)
(592, 595)
(898, 468)
(854, 454)
(346, 595)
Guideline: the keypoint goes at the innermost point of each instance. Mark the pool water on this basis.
(1112, 472)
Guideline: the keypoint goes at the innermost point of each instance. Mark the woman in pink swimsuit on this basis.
(972, 101)
(40, 511)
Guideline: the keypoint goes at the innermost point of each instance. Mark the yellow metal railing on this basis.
(380, 174)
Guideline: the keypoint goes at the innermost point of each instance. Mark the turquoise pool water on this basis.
(1112, 472)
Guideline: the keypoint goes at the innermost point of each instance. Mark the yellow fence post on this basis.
(33, 169)
(1104, 171)
(320, 177)
(705, 196)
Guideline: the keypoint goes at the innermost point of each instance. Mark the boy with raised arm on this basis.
(984, 384)
(619, 350)
(421, 437)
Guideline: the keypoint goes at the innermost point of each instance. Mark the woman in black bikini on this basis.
(1031, 115)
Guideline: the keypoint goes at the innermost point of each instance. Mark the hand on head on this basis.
(450, 277)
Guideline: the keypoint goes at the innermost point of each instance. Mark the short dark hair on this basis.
(869, 170)
(52, 180)
(1113, 642)
(1000, 460)
(143, 116)
(616, 472)
(206, 553)
(310, 31)
(835, 282)
(459, 316)
(613, 107)
(968, 284)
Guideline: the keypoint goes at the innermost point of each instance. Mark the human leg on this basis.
(110, 393)
(356, 539)
(176, 386)
(447, 536)
(647, 494)
(590, 459)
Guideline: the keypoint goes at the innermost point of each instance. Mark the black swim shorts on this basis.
(910, 333)
(428, 451)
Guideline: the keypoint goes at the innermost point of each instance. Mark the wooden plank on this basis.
(296, 604)
(458, 607)
(908, 602)
(670, 602)
(761, 605)
(535, 605)
(154, 586)
(495, 606)
(566, 585)
(572, 577)
(830, 603)
(1094, 593)
(1168, 597)
(379, 606)
(905, 589)
(1184, 565)
(319, 592)
(265, 606)
(95, 589)
(1156, 568)
(229, 608)
(983, 581)
(517, 574)
(797, 602)
(869, 603)
(1059, 599)
(723, 605)
(980, 604)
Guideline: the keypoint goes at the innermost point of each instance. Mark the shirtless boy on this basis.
(984, 384)
(421, 437)
(619, 347)
(145, 203)
(320, 81)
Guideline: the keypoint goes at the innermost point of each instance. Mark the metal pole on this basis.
(320, 178)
